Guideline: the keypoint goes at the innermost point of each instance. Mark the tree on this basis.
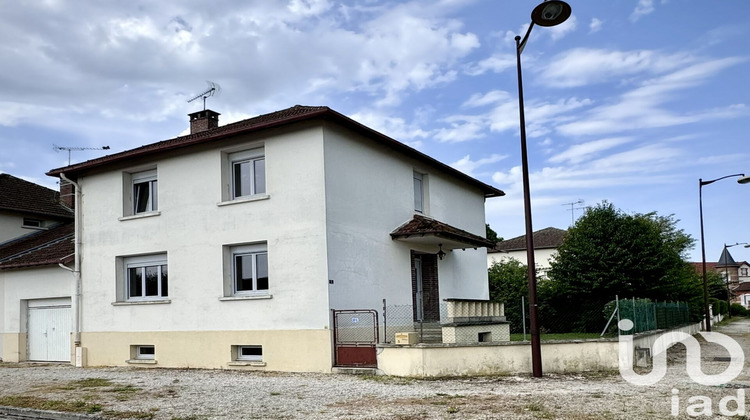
(492, 235)
(508, 283)
(608, 253)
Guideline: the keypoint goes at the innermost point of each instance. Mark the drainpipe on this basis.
(76, 303)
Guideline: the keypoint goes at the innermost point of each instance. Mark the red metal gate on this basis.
(355, 335)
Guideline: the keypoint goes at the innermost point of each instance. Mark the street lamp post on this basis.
(743, 180)
(549, 13)
(725, 254)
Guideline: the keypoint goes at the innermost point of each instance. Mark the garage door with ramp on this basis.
(49, 325)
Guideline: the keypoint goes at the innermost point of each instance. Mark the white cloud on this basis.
(584, 151)
(491, 97)
(595, 25)
(643, 8)
(468, 166)
(643, 108)
(585, 66)
(497, 63)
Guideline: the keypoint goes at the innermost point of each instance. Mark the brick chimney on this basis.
(203, 121)
(67, 194)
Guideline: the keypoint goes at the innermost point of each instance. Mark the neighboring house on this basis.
(26, 207)
(232, 245)
(736, 275)
(35, 293)
(546, 242)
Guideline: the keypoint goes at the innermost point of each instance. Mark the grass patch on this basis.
(37, 403)
(397, 380)
(561, 336)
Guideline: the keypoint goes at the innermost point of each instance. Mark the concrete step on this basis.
(355, 371)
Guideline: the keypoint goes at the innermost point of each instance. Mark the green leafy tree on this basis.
(608, 252)
(508, 283)
(491, 234)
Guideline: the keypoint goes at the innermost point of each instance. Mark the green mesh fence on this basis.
(647, 315)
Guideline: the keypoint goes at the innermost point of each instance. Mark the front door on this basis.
(424, 282)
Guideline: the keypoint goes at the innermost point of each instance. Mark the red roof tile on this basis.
(287, 116)
(421, 225)
(23, 196)
(46, 247)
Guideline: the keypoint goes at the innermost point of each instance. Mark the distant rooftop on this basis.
(546, 238)
(22, 196)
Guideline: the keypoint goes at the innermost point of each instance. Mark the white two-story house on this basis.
(231, 246)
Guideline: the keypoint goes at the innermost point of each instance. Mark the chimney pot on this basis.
(203, 121)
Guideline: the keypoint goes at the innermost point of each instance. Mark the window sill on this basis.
(140, 216)
(143, 302)
(141, 362)
(258, 197)
(230, 298)
(247, 363)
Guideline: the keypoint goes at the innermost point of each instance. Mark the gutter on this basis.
(76, 302)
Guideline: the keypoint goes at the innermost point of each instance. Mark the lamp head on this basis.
(744, 180)
(551, 13)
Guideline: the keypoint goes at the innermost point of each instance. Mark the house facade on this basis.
(546, 242)
(231, 246)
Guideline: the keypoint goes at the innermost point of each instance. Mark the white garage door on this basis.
(49, 327)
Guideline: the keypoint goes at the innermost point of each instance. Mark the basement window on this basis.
(145, 352)
(250, 353)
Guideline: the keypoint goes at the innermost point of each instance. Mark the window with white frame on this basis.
(250, 353)
(145, 352)
(419, 192)
(249, 269)
(743, 272)
(146, 277)
(145, 191)
(247, 173)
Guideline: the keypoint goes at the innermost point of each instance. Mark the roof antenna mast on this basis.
(70, 149)
(572, 217)
(213, 89)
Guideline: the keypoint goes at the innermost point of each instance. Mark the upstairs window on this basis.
(145, 192)
(147, 277)
(743, 272)
(248, 173)
(419, 201)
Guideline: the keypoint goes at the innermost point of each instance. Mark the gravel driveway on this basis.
(217, 394)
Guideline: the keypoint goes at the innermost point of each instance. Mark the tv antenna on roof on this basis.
(213, 89)
(70, 149)
(572, 217)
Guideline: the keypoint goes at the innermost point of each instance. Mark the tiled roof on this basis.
(27, 197)
(420, 226)
(44, 247)
(743, 287)
(287, 116)
(546, 238)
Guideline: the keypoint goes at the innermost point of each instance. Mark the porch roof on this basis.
(424, 230)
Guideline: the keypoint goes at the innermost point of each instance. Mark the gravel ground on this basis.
(218, 394)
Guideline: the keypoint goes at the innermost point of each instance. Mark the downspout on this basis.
(76, 303)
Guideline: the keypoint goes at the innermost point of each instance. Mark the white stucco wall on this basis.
(369, 193)
(192, 229)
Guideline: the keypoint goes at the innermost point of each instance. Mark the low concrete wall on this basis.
(436, 360)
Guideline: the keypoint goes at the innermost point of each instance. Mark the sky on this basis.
(628, 101)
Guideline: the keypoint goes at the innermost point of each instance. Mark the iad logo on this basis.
(699, 405)
(693, 361)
